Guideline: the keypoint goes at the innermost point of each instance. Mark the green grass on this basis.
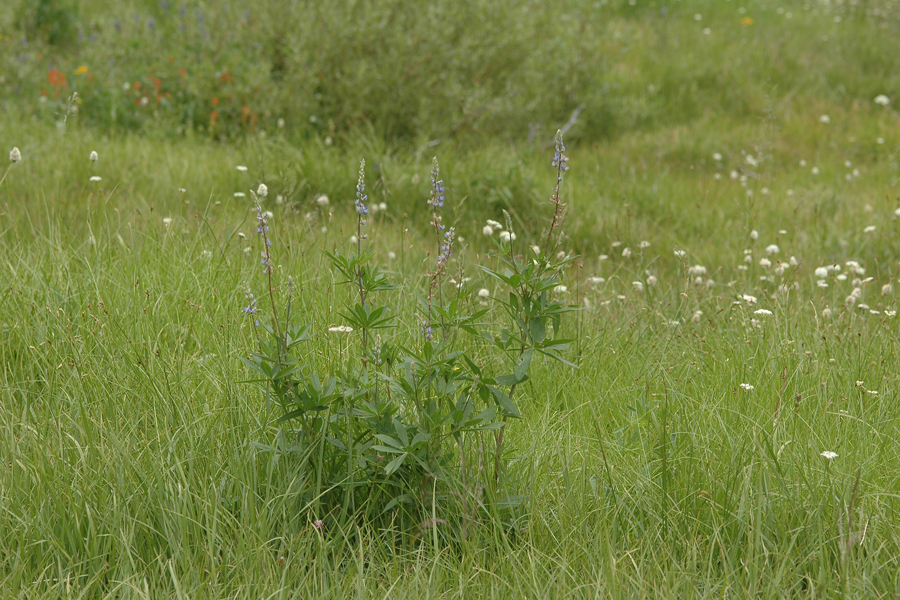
(131, 450)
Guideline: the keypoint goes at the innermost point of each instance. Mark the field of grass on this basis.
(733, 203)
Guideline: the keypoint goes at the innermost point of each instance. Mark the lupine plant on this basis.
(404, 426)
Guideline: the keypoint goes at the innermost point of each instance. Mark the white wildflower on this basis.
(815, 170)
(626, 253)
(96, 178)
(561, 289)
(14, 155)
(644, 244)
(94, 156)
(829, 455)
(747, 386)
(341, 329)
(392, 255)
(754, 235)
(887, 289)
(496, 225)
(322, 200)
(821, 272)
(762, 311)
(882, 100)
(638, 286)
(717, 157)
(824, 119)
(167, 221)
(240, 195)
(241, 168)
(765, 263)
(772, 249)
(262, 191)
(483, 293)
(651, 280)
(826, 313)
(697, 315)
(869, 229)
(487, 230)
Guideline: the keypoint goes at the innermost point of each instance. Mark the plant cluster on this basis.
(415, 427)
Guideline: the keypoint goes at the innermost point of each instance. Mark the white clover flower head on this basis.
(94, 156)
(626, 253)
(754, 235)
(698, 314)
(826, 313)
(887, 289)
(322, 200)
(496, 225)
(14, 155)
(651, 280)
(825, 119)
(353, 239)
(717, 157)
(341, 329)
(484, 293)
(487, 230)
(882, 100)
(734, 174)
(561, 289)
(382, 206)
(262, 191)
(241, 168)
(696, 270)
(850, 300)
(96, 178)
(392, 255)
(821, 272)
(772, 249)
(879, 140)
(793, 261)
(505, 236)
(638, 286)
(747, 387)
(815, 170)
(828, 455)
(536, 250)
(751, 160)
(765, 263)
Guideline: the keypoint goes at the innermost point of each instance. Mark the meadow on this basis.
(709, 412)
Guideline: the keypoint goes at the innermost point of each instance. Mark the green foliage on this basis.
(50, 21)
(399, 420)
(468, 71)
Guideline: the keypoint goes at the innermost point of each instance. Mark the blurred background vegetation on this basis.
(514, 70)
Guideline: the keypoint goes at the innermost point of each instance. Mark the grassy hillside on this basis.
(736, 279)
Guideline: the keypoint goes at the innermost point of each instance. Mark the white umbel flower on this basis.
(829, 455)
(882, 100)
